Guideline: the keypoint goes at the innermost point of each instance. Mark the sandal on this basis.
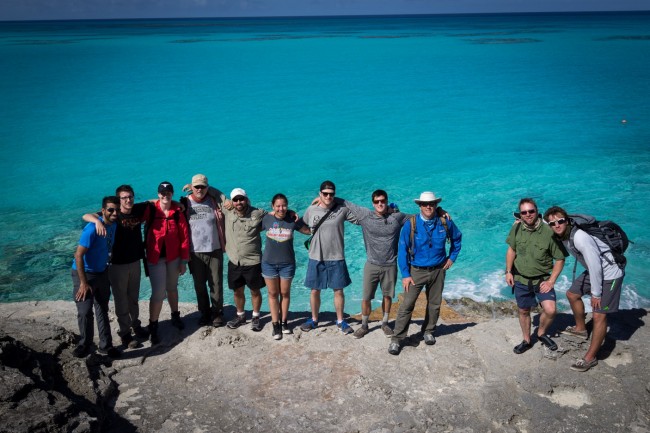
(522, 347)
(546, 341)
(583, 365)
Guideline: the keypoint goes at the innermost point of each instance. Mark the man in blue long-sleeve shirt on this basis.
(423, 262)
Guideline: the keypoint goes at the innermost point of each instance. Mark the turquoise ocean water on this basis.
(481, 109)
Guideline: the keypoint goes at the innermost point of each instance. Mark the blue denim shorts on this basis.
(328, 274)
(284, 271)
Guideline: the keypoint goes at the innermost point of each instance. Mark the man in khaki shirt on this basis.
(244, 250)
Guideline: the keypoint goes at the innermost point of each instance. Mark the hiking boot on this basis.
(583, 365)
(111, 352)
(129, 342)
(309, 325)
(176, 320)
(153, 333)
(429, 339)
(277, 331)
(217, 322)
(360, 332)
(286, 329)
(235, 323)
(345, 328)
(394, 348)
(140, 332)
(388, 332)
(80, 351)
(204, 320)
(572, 331)
(256, 326)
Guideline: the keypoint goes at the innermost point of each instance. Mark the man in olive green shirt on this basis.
(244, 249)
(533, 263)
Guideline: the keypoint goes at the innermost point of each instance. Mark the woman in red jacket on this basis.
(168, 251)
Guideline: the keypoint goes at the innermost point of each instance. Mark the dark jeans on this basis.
(207, 271)
(98, 299)
(433, 281)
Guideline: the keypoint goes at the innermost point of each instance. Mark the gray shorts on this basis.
(373, 275)
(610, 297)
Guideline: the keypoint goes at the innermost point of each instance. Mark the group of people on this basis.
(196, 231)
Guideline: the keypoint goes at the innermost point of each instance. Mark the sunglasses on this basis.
(111, 209)
(199, 187)
(238, 199)
(557, 222)
(379, 201)
(528, 212)
(327, 194)
(127, 197)
(428, 204)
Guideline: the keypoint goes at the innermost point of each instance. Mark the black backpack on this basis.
(610, 233)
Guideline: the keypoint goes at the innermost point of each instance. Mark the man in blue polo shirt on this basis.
(90, 281)
(423, 261)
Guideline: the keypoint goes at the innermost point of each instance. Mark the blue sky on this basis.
(106, 9)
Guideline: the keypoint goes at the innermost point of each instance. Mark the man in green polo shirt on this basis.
(533, 263)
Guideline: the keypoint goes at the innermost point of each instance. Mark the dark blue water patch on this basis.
(502, 33)
(191, 41)
(503, 41)
(625, 38)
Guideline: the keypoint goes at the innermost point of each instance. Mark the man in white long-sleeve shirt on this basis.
(602, 280)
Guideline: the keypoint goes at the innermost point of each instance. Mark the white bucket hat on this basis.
(427, 197)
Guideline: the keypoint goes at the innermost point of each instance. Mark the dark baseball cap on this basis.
(328, 184)
(165, 187)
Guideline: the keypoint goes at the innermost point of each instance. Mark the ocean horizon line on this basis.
(351, 16)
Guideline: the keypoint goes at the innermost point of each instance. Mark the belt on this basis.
(428, 268)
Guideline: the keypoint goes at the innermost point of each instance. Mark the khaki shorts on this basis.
(374, 275)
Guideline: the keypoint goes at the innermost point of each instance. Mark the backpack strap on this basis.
(411, 249)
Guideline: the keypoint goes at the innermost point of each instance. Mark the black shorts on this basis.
(240, 276)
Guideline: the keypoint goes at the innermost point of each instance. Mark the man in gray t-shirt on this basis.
(381, 229)
(207, 242)
(327, 267)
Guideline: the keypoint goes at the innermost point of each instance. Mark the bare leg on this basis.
(597, 335)
(314, 300)
(240, 299)
(256, 300)
(365, 308)
(578, 308)
(285, 297)
(339, 303)
(386, 304)
(273, 285)
(547, 316)
(524, 322)
(172, 298)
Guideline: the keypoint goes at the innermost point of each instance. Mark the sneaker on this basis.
(309, 325)
(140, 332)
(277, 331)
(218, 321)
(429, 339)
(176, 320)
(345, 328)
(111, 352)
(235, 323)
(360, 332)
(572, 331)
(583, 365)
(256, 326)
(388, 332)
(286, 329)
(394, 348)
(129, 342)
(80, 351)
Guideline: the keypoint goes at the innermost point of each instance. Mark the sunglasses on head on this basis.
(557, 222)
(528, 212)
